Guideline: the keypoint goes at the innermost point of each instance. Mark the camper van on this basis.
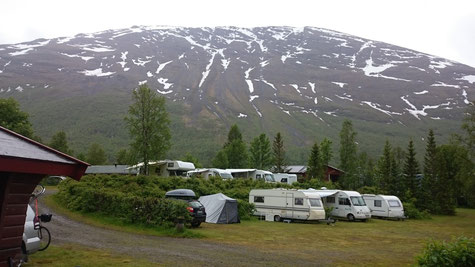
(277, 204)
(345, 204)
(254, 174)
(206, 173)
(384, 206)
(166, 168)
(285, 178)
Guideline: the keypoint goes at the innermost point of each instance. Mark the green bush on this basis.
(412, 212)
(460, 252)
(141, 198)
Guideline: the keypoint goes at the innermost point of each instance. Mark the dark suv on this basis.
(196, 209)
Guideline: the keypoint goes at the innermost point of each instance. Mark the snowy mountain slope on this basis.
(250, 76)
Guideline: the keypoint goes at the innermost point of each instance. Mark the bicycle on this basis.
(44, 234)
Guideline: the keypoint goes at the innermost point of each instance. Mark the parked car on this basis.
(196, 209)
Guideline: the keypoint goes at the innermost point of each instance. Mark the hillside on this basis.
(302, 82)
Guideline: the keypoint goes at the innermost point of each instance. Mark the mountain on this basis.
(302, 82)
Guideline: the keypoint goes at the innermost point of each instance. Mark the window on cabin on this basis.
(344, 201)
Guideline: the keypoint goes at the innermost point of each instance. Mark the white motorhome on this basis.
(345, 204)
(278, 203)
(254, 174)
(206, 173)
(384, 206)
(285, 178)
(166, 168)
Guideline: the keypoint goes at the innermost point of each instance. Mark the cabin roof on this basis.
(23, 155)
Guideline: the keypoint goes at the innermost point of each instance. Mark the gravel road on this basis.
(165, 250)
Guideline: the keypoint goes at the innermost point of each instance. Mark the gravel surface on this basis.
(165, 250)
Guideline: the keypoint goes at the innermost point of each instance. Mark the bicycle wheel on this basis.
(45, 238)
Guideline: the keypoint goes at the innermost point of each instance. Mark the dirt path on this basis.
(165, 250)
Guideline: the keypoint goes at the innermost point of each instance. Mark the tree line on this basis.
(444, 180)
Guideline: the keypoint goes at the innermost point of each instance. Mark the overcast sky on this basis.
(442, 28)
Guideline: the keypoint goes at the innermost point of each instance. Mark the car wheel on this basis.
(195, 224)
(351, 217)
(277, 218)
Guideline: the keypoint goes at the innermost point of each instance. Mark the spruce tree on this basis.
(326, 151)
(278, 153)
(260, 153)
(411, 170)
(59, 142)
(315, 166)
(447, 169)
(235, 149)
(348, 150)
(429, 179)
(384, 168)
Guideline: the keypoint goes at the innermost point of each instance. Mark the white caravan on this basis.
(285, 178)
(166, 168)
(345, 204)
(254, 174)
(384, 206)
(277, 204)
(206, 173)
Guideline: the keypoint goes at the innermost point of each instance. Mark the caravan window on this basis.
(394, 203)
(283, 180)
(170, 165)
(269, 177)
(299, 201)
(315, 202)
(378, 203)
(258, 177)
(330, 199)
(258, 199)
(344, 201)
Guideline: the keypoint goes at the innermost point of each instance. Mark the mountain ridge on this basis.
(301, 81)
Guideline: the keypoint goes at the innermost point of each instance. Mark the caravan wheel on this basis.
(277, 218)
(351, 217)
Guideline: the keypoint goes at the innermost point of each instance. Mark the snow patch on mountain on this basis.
(421, 92)
(468, 78)
(340, 84)
(78, 56)
(164, 82)
(441, 84)
(161, 66)
(377, 107)
(96, 72)
(206, 72)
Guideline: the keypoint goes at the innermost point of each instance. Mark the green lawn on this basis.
(74, 255)
(377, 242)
(374, 243)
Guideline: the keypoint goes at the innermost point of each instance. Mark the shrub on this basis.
(412, 212)
(245, 209)
(460, 252)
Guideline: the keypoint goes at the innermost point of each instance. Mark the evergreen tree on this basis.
(411, 170)
(279, 153)
(221, 160)
(148, 125)
(468, 127)
(189, 158)
(235, 149)
(122, 157)
(348, 152)
(96, 155)
(447, 169)
(12, 118)
(426, 200)
(326, 151)
(261, 156)
(60, 142)
(384, 168)
(315, 166)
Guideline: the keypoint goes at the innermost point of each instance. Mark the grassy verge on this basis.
(74, 255)
(377, 242)
(100, 220)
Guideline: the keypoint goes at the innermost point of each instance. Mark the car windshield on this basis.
(225, 175)
(315, 202)
(394, 203)
(269, 177)
(358, 201)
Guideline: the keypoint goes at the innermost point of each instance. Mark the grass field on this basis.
(377, 242)
(372, 243)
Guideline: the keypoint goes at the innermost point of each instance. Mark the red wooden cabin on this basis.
(23, 163)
